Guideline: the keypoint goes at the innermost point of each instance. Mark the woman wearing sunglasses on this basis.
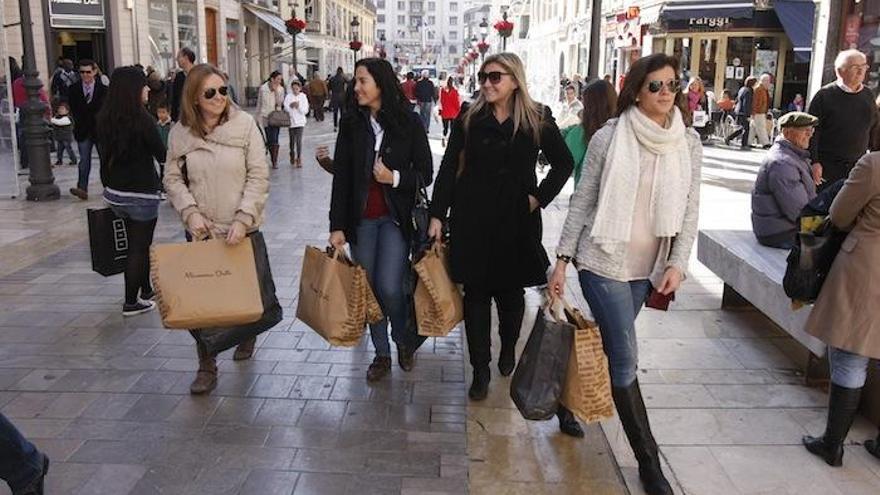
(488, 181)
(382, 157)
(269, 99)
(630, 228)
(217, 178)
(128, 142)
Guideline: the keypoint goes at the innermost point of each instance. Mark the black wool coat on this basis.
(85, 113)
(495, 242)
(405, 150)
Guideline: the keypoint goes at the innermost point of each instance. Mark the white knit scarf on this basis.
(620, 178)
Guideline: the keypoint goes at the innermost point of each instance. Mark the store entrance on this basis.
(78, 45)
(707, 65)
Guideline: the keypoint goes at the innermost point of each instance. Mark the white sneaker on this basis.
(137, 308)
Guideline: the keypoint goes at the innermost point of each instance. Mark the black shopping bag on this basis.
(108, 241)
(539, 378)
(220, 339)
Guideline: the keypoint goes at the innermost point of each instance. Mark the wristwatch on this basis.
(564, 258)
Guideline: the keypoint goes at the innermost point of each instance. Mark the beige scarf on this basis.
(635, 134)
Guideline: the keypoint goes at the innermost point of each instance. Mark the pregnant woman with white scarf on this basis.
(630, 229)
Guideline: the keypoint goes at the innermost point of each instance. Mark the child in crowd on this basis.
(62, 132)
(163, 113)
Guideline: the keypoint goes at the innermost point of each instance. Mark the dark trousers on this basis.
(317, 106)
(61, 147)
(20, 462)
(447, 123)
(478, 320)
(85, 163)
(744, 122)
(833, 170)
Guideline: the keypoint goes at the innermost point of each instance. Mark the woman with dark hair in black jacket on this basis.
(382, 156)
(128, 141)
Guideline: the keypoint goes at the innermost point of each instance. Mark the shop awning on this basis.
(797, 17)
(678, 10)
(269, 18)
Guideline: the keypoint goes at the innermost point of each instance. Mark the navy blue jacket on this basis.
(782, 189)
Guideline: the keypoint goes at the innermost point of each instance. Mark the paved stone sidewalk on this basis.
(108, 399)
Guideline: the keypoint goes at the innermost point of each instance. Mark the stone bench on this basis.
(754, 273)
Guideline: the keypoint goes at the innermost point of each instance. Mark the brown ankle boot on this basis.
(245, 350)
(206, 377)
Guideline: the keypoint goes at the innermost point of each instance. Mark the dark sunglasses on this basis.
(673, 85)
(494, 77)
(85, 71)
(212, 92)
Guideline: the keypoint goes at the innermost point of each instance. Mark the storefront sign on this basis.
(708, 22)
(83, 14)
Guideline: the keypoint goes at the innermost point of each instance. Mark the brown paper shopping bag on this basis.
(587, 391)
(335, 298)
(438, 302)
(206, 284)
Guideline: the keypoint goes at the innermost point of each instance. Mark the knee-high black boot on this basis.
(634, 417)
(509, 325)
(842, 406)
(477, 323)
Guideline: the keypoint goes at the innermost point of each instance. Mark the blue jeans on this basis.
(425, 108)
(61, 147)
(20, 462)
(85, 163)
(615, 306)
(382, 251)
(272, 135)
(847, 369)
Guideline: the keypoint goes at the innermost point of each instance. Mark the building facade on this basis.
(245, 39)
(421, 32)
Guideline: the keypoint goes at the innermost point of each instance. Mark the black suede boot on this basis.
(480, 384)
(842, 406)
(634, 417)
(509, 326)
(568, 424)
(873, 446)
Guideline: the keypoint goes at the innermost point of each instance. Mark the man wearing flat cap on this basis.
(785, 183)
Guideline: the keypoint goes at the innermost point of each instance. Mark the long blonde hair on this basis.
(527, 114)
(190, 115)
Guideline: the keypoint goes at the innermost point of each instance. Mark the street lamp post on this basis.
(484, 31)
(355, 44)
(294, 27)
(36, 133)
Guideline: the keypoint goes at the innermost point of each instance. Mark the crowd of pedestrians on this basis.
(629, 232)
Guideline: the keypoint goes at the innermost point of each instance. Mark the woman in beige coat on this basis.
(269, 99)
(216, 176)
(844, 316)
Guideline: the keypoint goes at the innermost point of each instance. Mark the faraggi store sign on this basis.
(77, 14)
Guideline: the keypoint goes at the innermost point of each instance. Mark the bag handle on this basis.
(552, 308)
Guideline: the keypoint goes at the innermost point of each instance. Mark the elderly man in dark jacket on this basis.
(784, 184)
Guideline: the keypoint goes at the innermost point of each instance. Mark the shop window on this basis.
(681, 50)
(188, 25)
(707, 64)
(795, 77)
(161, 35)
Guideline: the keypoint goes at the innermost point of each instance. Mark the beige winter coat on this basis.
(227, 172)
(846, 314)
(267, 102)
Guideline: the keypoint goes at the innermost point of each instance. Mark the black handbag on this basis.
(108, 241)
(220, 339)
(809, 261)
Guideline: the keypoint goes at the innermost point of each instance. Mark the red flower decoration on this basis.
(504, 28)
(472, 55)
(295, 26)
(483, 47)
(355, 45)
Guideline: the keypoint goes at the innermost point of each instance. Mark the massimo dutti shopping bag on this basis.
(217, 340)
(438, 302)
(335, 298)
(108, 241)
(539, 377)
(206, 284)
(587, 391)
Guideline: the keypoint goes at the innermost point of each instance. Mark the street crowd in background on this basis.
(634, 150)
